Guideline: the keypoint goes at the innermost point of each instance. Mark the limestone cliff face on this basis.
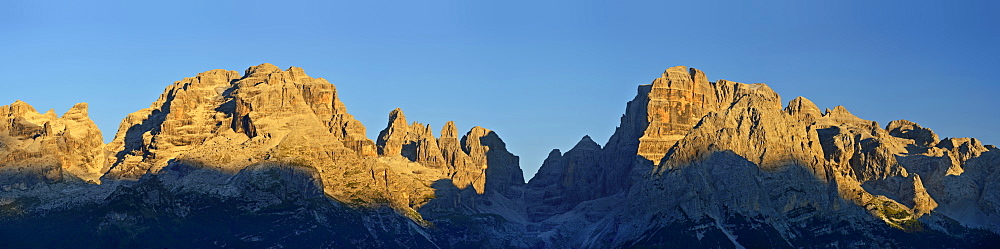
(43, 148)
(677, 100)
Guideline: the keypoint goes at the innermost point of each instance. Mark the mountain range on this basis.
(271, 158)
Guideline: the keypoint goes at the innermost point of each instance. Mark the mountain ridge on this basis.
(278, 137)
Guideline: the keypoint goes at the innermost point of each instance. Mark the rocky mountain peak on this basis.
(675, 103)
(555, 153)
(20, 108)
(77, 112)
(675, 73)
(43, 148)
(396, 117)
(220, 107)
(501, 168)
(839, 112)
(297, 72)
(390, 140)
(586, 144)
(906, 129)
(262, 70)
(801, 106)
(693, 164)
(471, 143)
(449, 130)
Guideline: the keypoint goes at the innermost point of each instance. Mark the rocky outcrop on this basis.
(461, 169)
(910, 130)
(415, 142)
(480, 159)
(565, 180)
(38, 148)
(500, 168)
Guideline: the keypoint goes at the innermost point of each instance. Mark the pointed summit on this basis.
(396, 116)
(390, 140)
(839, 112)
(78, 112)
(449, 130)
(586, 143)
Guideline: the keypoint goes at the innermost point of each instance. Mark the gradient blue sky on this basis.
(540, 73)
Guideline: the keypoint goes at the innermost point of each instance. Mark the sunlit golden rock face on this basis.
(676, 102)
(224, 121)
(461, 169)
(263, 103)
(885, 171)
(683, 121)
(43, 148)
(687, 151)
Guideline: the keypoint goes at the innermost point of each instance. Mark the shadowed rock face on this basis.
(693, 164)
(565, 180)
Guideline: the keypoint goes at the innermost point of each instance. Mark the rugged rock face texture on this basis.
(747, 166)
(461, 169)
(677, 100)
(219, 108)
(910, 130)
(222, 121)
(502, 172)
(415, 142)
(693, 164)
(558, 182)
(43, 148)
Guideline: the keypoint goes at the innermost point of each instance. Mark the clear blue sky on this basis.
(540, 73)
